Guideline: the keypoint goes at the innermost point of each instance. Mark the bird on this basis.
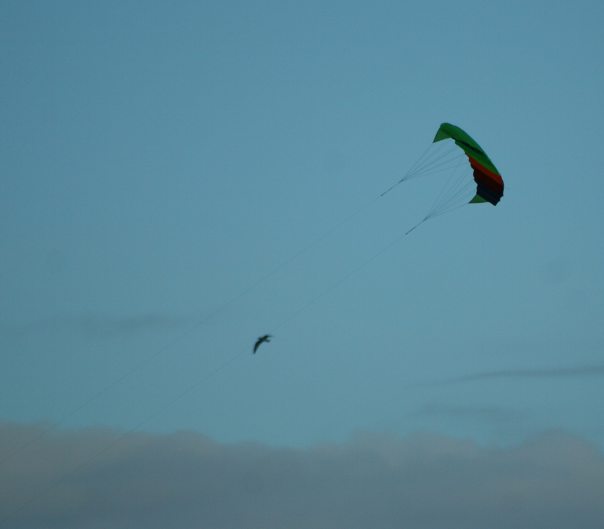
(262, 339)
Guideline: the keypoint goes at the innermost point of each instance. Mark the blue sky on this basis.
(179, 178)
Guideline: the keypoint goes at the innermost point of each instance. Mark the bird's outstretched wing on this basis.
(261, 340)
(257, 344)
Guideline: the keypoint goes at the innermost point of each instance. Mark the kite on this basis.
(489, 184)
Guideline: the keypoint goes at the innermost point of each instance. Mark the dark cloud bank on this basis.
(104, 480)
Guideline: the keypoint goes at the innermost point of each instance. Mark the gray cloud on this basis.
(552, 372)
(97, 325)
(90, 480)
(478, 413)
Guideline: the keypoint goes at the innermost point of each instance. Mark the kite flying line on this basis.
(489, 188)
(169, 345)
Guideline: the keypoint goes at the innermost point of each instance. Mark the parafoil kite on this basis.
(460, 190)
(489, 184)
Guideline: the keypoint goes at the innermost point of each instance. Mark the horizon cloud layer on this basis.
(103, 478)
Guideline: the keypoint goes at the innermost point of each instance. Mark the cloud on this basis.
(97, 325)
(104, 479)
(552, 372)
(478, 413)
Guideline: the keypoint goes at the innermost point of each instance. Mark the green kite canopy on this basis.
(489, 184)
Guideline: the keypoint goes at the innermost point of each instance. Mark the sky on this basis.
(179, 178)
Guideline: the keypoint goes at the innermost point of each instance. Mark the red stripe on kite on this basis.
(486, 177)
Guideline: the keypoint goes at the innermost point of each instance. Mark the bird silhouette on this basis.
(262, 339)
